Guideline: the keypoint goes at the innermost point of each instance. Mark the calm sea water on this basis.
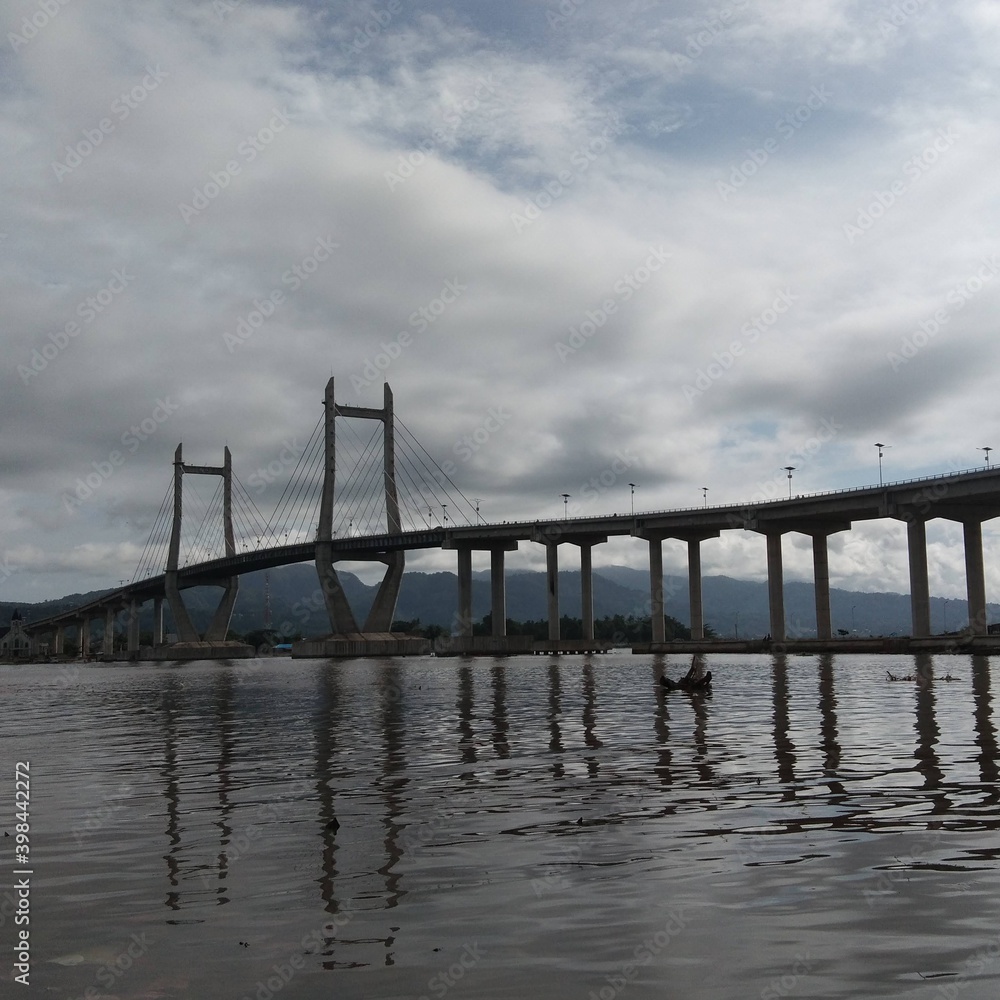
(522, 827)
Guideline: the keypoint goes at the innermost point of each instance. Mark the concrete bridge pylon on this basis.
(343, 623)
(218, 628)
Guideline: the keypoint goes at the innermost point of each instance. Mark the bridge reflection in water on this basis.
(369, 734)
(379, 810)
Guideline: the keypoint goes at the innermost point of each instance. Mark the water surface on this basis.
(519, 827)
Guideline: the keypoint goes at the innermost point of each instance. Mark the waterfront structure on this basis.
(966, 497)
(15, 643)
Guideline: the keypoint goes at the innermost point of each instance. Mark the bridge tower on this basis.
(342, 620)
(218, 629)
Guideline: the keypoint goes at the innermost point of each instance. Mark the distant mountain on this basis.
(731, 606)
(741, 606)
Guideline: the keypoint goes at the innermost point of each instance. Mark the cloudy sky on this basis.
(677, 244)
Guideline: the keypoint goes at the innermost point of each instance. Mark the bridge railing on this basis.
(745, 504)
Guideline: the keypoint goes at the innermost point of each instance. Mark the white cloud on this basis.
(489, 122)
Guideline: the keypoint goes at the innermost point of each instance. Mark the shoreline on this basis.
(959, 645)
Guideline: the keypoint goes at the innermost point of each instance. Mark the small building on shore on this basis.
(14, 642)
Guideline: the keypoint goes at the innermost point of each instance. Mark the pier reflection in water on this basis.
(514, 827)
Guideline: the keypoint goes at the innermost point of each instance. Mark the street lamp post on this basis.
(476, 501)
(704, 494)
(987, 450)
(444, 507)
(565, 497)
(789, 469)
(632, 488)
(880, 446)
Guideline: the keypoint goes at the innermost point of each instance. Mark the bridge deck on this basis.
(972, 495)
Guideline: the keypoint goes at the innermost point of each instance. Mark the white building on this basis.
(14, 643)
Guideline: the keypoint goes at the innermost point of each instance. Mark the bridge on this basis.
(397, 500)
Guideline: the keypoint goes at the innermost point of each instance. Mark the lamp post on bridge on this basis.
(789, 469)
(476, 501)
(565, 497)
(880, 446)
(987, 450)
(632, 488)
(704, 494)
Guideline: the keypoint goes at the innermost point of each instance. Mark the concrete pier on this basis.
(975, 576)
(498, 594)
(465, 591)
(821, 580)
(920, 599)
(552, 536)
(552, 589)
(775, 586)
(656, 602)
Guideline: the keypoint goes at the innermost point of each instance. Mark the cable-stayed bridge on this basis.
(357, 492)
